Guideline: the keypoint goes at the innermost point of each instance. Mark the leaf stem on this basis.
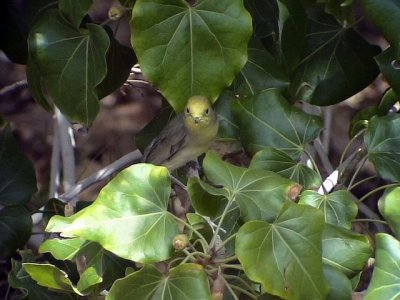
(350, 187)
(231, 237)
(202, 240)
(243, 291)
(241, 280)
(357, 171)
(228, 266)
(225, 260)
(226, 209)
(346, 149)
(370, 220)
(377, 190)
(315, 168)
(231, 291)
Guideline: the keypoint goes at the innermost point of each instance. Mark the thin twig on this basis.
(13, 87)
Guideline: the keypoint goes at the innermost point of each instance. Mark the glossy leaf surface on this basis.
(389, 207)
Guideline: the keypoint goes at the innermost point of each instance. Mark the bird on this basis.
(185, 137)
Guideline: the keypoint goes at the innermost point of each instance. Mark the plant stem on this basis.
(231, 237)
(225, 260)
(241, 280)
(230, 289)
(202, 240)
(228, 266)
(350, 187)
(243, 291)
(346, 149)
(226, 209)
(377, 190)
(370, 220)
(360, 165)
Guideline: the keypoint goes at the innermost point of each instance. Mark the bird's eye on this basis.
(187, 109)
(207, 111)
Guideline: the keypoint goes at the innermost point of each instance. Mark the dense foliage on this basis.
(287, 225)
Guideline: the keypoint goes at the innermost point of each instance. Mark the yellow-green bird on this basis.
(187, 136)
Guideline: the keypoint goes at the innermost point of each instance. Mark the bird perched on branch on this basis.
(187, 136)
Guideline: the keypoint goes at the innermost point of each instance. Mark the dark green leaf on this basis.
(15, 228)
(128, 217)
(389, 99)
(339, 284)
(70, 62)
(17, 176)
(184, 282)
(386, 276)
(268, 120)
(387, 62)
(345, 250)
(389, 207)
(337, 62)
(277, 161)
(285, 256)
(228, 127)
(342, 10)
(338, 207)
(360, 120)
(189, 49)
(74, 11)
(382, 139)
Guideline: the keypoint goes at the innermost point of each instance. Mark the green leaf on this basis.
(345, 250)
(268, 120)
(128, 217)
(187, 49)
(15, 228)
(338, 207)
(382, 139)
(389, 207)
(50, 276)
(277, 161)
(228, 127)
(337, 62)
(186, 281)
(63, 249)
(360, 121)
(339, 284)
(17, 176)
(385, 282)
(19, 279)
(70, 62)
(259, 194)
(260, 73)
(74, 11)
(388, 100)
(285, 256)
(387, 61)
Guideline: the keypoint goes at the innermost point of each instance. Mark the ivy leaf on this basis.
(228, 127)
(268, 120)
(70, 62)
(285, 256)
(50, 276)
(338, 207)
(337, 62)
(389, 207)
(339, 284)
(15, 228)
(74, 11)
(187, 49)
(128, 217)
(387, 61)
(345, 250)
(382, 139)
(17, 176)
(386, 276)
(277, 161)
(186, 282)
(259, 194)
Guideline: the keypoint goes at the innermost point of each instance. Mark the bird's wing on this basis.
(167, 144)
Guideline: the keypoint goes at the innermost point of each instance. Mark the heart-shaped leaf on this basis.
(382, 139)
(339, 285)
(70, 62)
(337, 62)
(387, 62)
(345, 250)
(17, 176)
(389, 207)
(277, 161)
(259, 194)
(74, 11)
(285, 256)
(187, 48)
(128, 217)
(386, 276)
(338, 207)
(268, 120)
(186, 282)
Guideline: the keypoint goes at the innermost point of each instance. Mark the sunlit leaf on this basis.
(337, 62)
(190, 48)
(382, 139)
(338, 207)
(129, 216)
(385, 282)
(345, 250)
(17, 176)
(285, 256)
(71, 63)
(15, 228)
(277, 161)
(50, 276)
(389, 207)
(268, 120)
(184, 282)
(259, 194)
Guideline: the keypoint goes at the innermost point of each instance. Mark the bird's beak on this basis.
(196, 120)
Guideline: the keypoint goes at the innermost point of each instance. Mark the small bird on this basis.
(187, 136)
